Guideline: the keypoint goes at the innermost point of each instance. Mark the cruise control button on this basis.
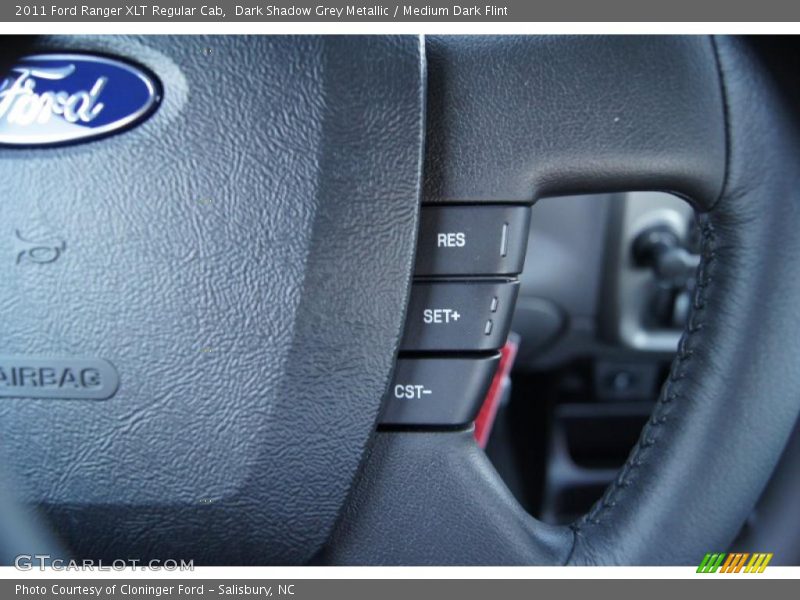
(472, 240)
(459, 315)
(438, 391)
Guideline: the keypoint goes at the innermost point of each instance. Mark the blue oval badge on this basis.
(51, 99)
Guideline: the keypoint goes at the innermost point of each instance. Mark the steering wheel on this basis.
(244, 260)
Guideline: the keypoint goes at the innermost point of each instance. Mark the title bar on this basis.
(400, 12)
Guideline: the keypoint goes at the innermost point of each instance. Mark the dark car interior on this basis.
(597, 339)
(405, 300)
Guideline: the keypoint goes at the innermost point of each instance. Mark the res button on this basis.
(472, 240)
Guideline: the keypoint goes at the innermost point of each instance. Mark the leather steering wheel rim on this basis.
(708, 119)
(730, 402)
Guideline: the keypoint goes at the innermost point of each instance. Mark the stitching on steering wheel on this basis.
(670, 393)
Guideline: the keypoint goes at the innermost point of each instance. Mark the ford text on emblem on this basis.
(59, 98)
(57, 378)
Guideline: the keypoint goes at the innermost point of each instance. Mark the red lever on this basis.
(485, 419)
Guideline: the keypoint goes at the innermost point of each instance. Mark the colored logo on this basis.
(735, 562)
(51, 99)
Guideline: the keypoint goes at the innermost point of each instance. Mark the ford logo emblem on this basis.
(49, 99)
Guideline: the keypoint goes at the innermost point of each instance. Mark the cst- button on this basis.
(439, 391)
(411, 391)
